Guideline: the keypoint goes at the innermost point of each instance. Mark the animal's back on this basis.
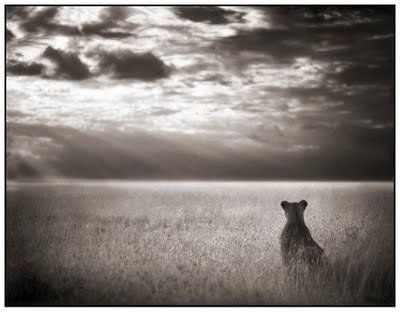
(297, 245)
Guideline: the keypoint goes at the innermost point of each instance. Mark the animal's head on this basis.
(294, 212)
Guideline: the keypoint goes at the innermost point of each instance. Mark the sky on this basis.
(209, 92)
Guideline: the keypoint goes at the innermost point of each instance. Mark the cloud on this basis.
(208, 14)
(335, 104)
(43, 22)
(18, 168)
(112, 24)
(365, 74)
(99, 155)
(17, 12)
(124, 64)
(323, 16)
(281, 44)
(24, 69)
(15, 114)
(361, 47)
(68, 65)
(44, 151)
(299, 148)
(258, 93)
(321, 33)
(9, 35)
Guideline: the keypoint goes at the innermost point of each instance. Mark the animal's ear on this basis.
(284, 204)
(303, 203)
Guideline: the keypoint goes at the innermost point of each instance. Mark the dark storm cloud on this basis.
(281, 44)
(208, 14)
(371, 102)
(68, 65)
(112, 24)
(366, 74)
(328, 33)
(17, 12)
(350, 144)
(360, 48)
(358, 45)
(330, 15)
(18, 168)
(43, 22)
(24, 69)
(9, 35)
(125, 64)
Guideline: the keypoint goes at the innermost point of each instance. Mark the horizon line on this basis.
(80, 180)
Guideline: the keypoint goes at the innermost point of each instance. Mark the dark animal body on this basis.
(298, 248)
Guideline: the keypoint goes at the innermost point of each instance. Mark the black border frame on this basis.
(393, 6)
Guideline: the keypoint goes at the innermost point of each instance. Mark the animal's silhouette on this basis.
(298, 248)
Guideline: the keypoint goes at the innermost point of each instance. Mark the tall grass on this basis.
(194, 243)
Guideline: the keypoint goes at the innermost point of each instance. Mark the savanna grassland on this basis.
(207, 243)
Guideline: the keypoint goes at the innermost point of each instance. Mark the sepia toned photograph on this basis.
(199, 155)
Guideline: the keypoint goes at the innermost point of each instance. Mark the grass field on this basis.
(202, 243)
